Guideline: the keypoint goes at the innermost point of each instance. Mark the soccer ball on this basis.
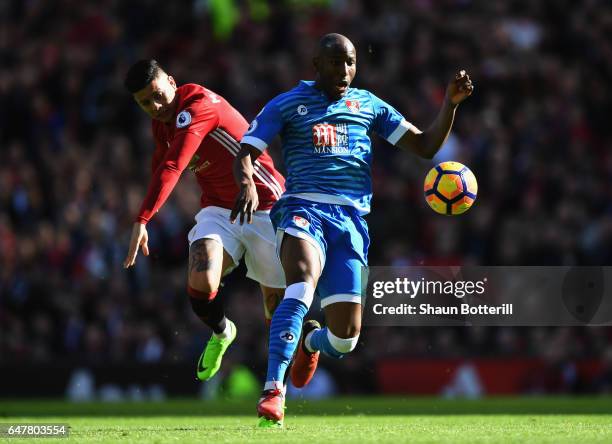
(450, 188)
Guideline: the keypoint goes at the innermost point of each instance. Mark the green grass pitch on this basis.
(341, 420)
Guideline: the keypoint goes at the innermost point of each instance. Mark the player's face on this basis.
(336, 67)
(157, 98)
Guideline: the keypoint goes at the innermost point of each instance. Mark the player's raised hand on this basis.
(140, 238)
(246, 203)
(460, 88)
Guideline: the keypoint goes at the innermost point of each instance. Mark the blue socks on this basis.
(331, 345)
(285, 334)
(319, 340)
(284, 337)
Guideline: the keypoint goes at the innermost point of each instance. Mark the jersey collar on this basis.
(311, 84)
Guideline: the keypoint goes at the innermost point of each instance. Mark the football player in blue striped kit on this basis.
(322, 238)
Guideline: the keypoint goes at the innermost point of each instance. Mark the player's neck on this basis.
(329, 96)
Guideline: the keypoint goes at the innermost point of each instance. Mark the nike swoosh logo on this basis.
(200, 367)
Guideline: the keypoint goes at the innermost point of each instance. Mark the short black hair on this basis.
(141, 74)
(332, 40)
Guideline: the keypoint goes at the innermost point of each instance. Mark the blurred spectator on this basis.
(602, 382)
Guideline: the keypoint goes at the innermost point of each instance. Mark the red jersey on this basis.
(204, 137)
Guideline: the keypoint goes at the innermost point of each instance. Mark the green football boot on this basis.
(210, 359)
(266, 423)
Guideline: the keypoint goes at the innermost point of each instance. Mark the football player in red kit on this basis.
(197, 129)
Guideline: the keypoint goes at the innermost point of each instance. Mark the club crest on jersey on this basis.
(352, 105)
(183, 119)
(300, 221)
(302, 110)
(193, 165)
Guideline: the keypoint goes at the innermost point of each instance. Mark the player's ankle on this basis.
(274, 385)
(227, 331)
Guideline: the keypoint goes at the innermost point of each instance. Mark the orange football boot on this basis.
(305, 363)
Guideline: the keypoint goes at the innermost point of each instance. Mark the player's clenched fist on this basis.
(460, 88)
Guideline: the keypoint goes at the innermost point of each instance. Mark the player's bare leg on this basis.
(207, 261)
(300, 261)
(338, 338)
(271, 299)
(344, 319)
(343, 326)
(302, 266)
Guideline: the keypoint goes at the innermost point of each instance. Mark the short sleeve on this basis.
(388, 122)
(264, 127)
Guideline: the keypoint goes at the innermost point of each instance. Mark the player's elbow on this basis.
(419, 144)
(424, 151)
(428, 146)
(171, 169)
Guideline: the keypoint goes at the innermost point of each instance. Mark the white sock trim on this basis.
(302, 291)
(307, 340)
(225, 333)
(332, 299)
(340, 344)
(274, 385)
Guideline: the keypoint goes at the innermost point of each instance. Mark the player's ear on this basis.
(172, 81)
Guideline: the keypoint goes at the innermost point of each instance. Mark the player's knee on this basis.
(300, 261)
(205, 266)
(343, 345)
(300, 271)
(202, 283)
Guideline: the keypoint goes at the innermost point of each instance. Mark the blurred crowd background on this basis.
(76, 153)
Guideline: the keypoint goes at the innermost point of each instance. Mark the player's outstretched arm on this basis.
(247, 200)
(427, 143)
(162, 183)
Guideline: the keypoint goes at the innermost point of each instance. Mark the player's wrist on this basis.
(247, 182)
(448, 103)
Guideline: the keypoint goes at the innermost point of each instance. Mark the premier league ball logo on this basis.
(183, 119)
